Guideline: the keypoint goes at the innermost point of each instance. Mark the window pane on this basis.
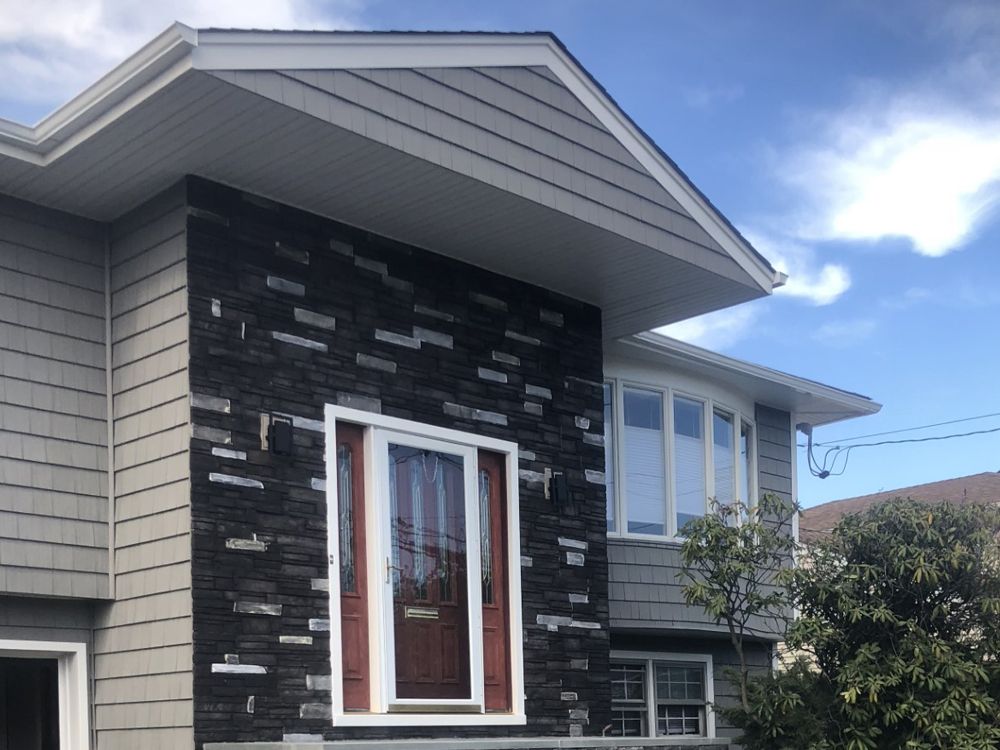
(746, 440)
(29, 704)
(486, 536)
(628, 722)
(679, 720)
(609, 453)
(679, 683)
(689, 469)
(430, 605)
(628, 682)
(645, 473)
(345, 499)
(722, 457)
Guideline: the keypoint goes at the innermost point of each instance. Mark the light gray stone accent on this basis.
(251, 704)
(201, 213)
(492, 375)
(216, 308)
(531, 408)
(247, 545)
(576, 730)
(235, 481)
(229, 453)
(437, 338)
(212, 434)
(430, 312)
(319, 625)
(526, 455)
(288, 252)
(575, 558)
(593, 476)
(507, 359)
(487, 301)
(579, 714)
(376, 363)
(305, 423)
(210, 403)
(567, 695)
(531, 477)
(401, 285)
(286, 286)
(396, 338)
(551, 317)
(515, 336)
(318, 682)
(316, 711)
(371, 265)
(357, 401)
(288, 338)
(579, 598)
(342, 248)
(579, 664)
(257, 608)
(593, 438)
(571, 543)
(296, 640)
(582, 422)
(583, 381)
(319, 584)
(315, 319)
(231, 658)
(538, 391)
(317, 483)
(238, 669)
(527, 562)
(479, 415)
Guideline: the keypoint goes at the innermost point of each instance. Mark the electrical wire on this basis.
(828, 467)
(904, 429)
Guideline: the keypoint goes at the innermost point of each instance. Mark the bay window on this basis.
(661, 695)
(667, 453)
(424, 542)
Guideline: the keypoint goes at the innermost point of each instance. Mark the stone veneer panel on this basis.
(257, 603)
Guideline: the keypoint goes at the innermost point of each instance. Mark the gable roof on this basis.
(980, 488)
(588, 206)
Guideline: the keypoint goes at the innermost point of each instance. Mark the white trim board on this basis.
(74, 702)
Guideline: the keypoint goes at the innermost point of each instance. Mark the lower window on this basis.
(424, 546)
(660, 695)
(43, 696)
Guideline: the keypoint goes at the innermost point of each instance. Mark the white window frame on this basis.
(650, 659)
(710, 405)
(380, 431)
(74, 703)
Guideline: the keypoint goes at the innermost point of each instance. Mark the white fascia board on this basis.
(850, 403)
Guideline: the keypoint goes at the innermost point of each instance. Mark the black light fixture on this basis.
(279, 436)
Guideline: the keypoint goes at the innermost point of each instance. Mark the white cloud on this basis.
(902, 170)
(58, 47)
(717, 330)
(817, 283)
(845, 333)
(707, 97)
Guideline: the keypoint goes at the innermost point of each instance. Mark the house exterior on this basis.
(980, 489)
(320, 359)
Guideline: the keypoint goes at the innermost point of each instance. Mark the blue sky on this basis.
(857, 144)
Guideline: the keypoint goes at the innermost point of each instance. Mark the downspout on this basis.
(109, 395)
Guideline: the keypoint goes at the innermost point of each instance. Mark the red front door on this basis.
(429, 574)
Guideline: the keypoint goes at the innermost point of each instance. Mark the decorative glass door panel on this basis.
(429, 573)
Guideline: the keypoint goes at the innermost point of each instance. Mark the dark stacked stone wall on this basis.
(289, 312)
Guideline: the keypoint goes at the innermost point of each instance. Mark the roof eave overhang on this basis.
(181, 48)
(829, 404)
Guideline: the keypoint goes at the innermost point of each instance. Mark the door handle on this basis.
(389, 567)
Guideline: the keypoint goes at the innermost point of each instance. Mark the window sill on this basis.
(667, 541)
(427, 720)
(521, 743)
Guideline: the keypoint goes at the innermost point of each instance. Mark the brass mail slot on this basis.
(421, 613)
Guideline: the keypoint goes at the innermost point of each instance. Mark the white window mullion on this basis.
(650, 698)
(709, 433)
(666, 407)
